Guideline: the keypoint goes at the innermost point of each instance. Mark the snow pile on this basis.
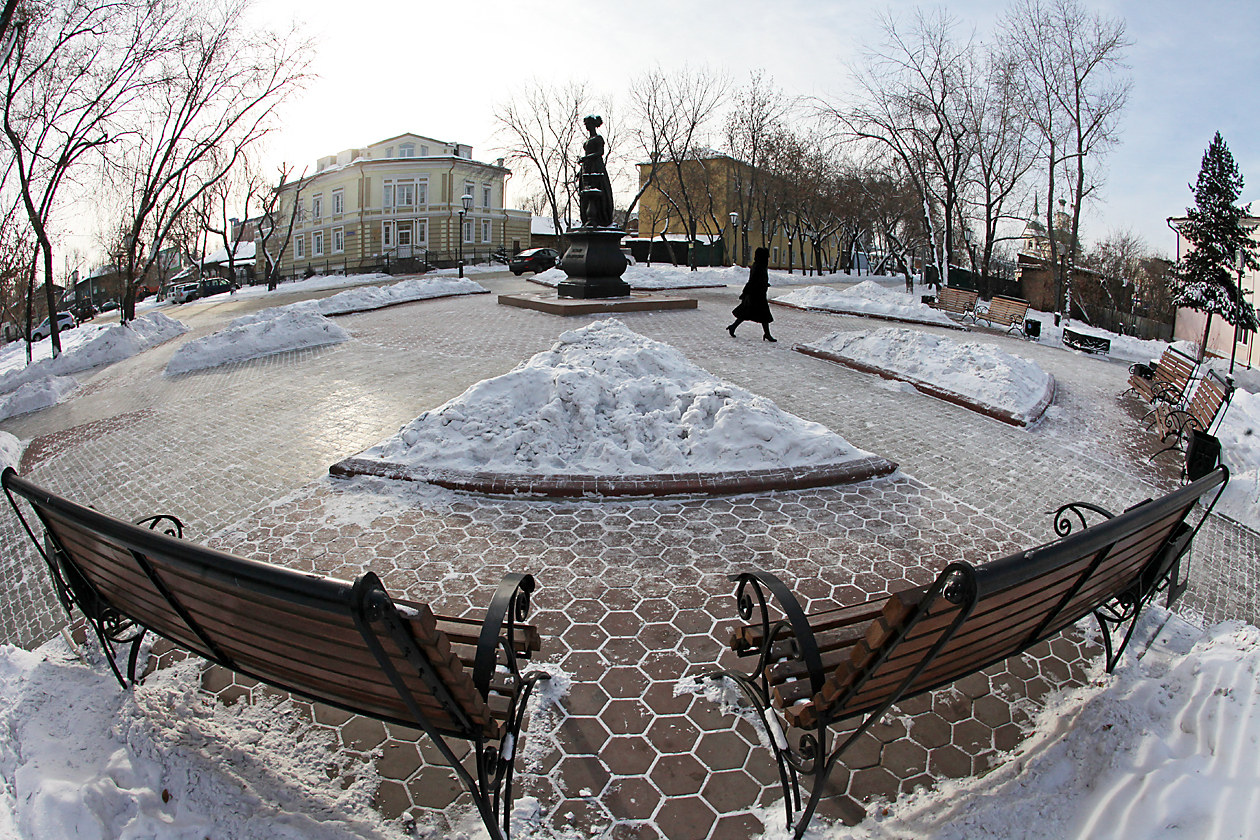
(867, 298)
(10, 451)
(1239, 433)
(32, 396)
(979, 374)
(79, 757)
(262, 333)
(90, 346)
(378, 297)
(1163, 748)
(607, 401)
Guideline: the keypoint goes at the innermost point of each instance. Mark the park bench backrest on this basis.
(1173, 374)
(1210, 394)
(1006, 310)
(959, 301)
(305, 633)
(974, 616)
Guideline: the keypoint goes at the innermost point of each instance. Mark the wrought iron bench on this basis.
(954, 301)
(1002, 311)
(1169, 381)
(1210, 400)
(857, 661)
(1085, 342)
(349, 645)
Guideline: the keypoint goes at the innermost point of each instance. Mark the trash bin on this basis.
(1032, 328)
(1202, 453)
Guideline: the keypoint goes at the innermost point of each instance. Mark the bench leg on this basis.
(1121, 611)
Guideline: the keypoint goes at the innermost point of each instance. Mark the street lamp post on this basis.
(734, 236)
(467, 201)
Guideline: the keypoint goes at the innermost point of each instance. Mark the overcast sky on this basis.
(440, 68)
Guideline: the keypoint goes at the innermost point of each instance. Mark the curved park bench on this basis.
(958, 302)
(1210, 399)
(855, 662)
(1086, 342)
(349, 645)
(1002, 311)
(1168, 382)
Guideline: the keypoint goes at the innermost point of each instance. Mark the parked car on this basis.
(184, 292)
(84, 311)
(109, 306)
(65, 321)
(535, 260)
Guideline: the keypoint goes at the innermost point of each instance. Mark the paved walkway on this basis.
(633, 594)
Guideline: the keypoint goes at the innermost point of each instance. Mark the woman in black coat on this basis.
(752, 301)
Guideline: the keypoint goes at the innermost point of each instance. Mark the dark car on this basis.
(535, 260)
(84, 311)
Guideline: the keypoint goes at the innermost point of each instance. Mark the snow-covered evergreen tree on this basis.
(1206, 277)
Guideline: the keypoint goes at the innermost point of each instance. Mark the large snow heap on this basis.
(605, 400)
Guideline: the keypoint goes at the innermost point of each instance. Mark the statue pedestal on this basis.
(594, 263)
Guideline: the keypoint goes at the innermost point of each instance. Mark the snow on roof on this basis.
(244, 253)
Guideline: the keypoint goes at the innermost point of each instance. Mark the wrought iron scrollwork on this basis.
(164, 523)
(1063, 523)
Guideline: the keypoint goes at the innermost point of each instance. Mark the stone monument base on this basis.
(594, 263)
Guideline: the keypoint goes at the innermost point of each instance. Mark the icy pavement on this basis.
(633, 595)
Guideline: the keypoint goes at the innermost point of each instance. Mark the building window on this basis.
(485, 230)
(422, 231)
(339, 202)
(404, 194)
(339, 240)
(485, 195)
(387, 235)
(299, 247)
(422, 193)
(407, 150)
(317, 207)
(424, 151)
(469, 187)
(387, 194)
(317, 243)
(468, 231)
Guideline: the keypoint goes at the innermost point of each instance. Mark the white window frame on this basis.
(407, 150)
(422, 192)
(468, 231)
(405, 194)
(317, 243)
(317, 206)
(469, 188)
(299, 247)
(486, 231)
(387, 195)
(387, 236)
(338, 240)
(486, 193)
(420, 237)
(338, 202)
(424, 151)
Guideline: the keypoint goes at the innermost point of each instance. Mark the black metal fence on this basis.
(420, 261)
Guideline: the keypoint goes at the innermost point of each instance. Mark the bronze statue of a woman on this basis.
(595, 201)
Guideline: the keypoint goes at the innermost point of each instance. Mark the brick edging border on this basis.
(662, 484)
(940, 393)
(634, 288)
(949, 326)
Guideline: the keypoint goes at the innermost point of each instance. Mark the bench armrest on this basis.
(753, 605)
(509, 605)
(1082, 511)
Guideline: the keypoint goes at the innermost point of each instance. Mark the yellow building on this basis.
(711, 186)
(396, 205)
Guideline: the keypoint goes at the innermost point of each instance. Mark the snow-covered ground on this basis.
(660, 276)
(252, 336)
(1163, 748)
(980, 374)
(867, 298)
(10, 451)
(84, 347)
(40, 393)
(413, 289)
(1239, 434)
(605, 400)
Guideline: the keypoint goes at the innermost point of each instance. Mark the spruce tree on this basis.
(1206, 277)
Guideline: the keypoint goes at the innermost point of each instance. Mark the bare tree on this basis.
(914, 103)
(233, 194)
(1073, 78)
(229, 78)
(271, 225)
(542, 126)
(758, 114)
(74, 69)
